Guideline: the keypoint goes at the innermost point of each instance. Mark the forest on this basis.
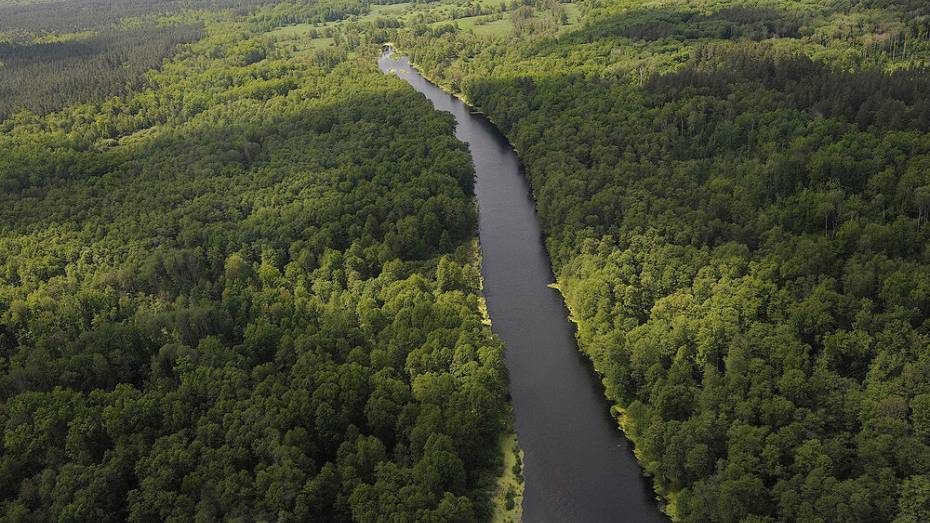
(735, 199)
(238, 269)
(44, 77)
(244, 288)
(30, 18)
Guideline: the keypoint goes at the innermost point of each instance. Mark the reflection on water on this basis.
(578, 465)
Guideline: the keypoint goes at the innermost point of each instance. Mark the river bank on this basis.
(578, 466)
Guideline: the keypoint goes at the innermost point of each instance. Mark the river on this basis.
(578, 465)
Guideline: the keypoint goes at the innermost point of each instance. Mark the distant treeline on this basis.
(65, 16)
(88, 58)
(897, 100)
(49, 76)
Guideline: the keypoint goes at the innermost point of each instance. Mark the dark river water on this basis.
(578, 465)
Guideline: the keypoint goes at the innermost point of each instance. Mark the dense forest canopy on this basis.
(32, 17)
(242, 287)
(44, 77)
(237, 271)
(58, 54)
(735, 197)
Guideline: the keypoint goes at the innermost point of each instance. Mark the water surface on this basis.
(578, 466)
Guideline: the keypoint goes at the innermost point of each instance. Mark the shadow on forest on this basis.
(20, 55)
(699, 107)
(865, 97)
(753, 23)
(45, 77)
(174, 202)
(212, 144)
(868, 97)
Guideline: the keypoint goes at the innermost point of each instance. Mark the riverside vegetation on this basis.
(735, 196)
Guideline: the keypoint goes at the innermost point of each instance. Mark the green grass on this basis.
(497, 28)
(297, 37)
(511, 480)
(404, 11)
(389, 9)
(301, 30)
(292, 31)
(469, 22)
(574, 13)
(493, 28)
(299, 34)
(317, 43)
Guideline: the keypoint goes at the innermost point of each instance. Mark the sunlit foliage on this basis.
(735, 196)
